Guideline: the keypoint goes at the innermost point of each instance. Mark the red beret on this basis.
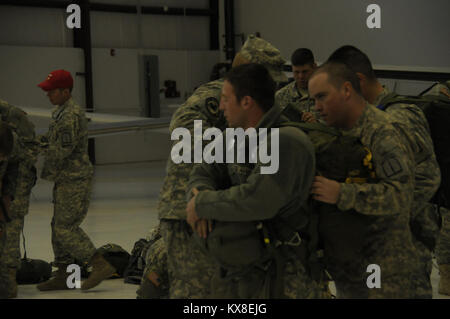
(59, 79)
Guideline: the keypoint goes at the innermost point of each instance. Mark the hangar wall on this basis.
(34, 41)
(413, 33)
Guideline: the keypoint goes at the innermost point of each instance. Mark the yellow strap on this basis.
(357, 180)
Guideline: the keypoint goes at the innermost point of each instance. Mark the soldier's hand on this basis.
(203, 228)
(325, 190)
(308, 117)
(192, 216)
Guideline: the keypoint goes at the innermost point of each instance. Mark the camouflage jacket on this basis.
(65, 145)
(239, 192)
(300, 100)
(10, 169)
(394, 167)
(18, 120)
(202, 105)
(412, 124)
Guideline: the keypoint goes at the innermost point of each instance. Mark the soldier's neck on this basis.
(373, 92)
(65, 101)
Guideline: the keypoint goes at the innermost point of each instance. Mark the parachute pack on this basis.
(437, 112)
(342, 158)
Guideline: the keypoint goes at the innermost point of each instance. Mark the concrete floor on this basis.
(122, 210)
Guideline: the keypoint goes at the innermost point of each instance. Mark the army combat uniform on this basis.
(190, 270)
(372, 224)
(298, 98)
(443, 245)
(67, 165)
(190, 277)
(9, 175)
(26, 178)
(240, 193)
(411, 122)
(154, 281)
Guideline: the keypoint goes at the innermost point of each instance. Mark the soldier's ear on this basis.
(347, 89)
(66, 91)
(247, 102)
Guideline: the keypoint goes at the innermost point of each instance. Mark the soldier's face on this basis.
(58, 96)
(231, 107)
(329, 100)
(302, 73)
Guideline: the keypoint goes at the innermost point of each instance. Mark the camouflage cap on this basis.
(257, 50)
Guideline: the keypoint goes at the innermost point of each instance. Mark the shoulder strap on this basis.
(387, 101)
(428, 88)
(312, 127)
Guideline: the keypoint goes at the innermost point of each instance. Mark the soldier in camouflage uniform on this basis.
(378, 223)
(412, 124)
(296, 92)
(190, 277)
(67, 165)
(155, 281)
(9, 147)
(24, 130)
(443, 246)
(234, 192)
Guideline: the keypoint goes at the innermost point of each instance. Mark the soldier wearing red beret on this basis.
(67, 165)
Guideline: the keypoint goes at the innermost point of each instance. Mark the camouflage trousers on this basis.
(2, 238)
(393, 264)
(11, 252)
(17, 211)
(443, 246)
(155, 270)
(190, 270)
(422, 277)
(71, 202)
(260, 283)
(3, 268)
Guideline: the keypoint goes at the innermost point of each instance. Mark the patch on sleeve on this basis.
(392, 167)
(66, 139)
(212, 105)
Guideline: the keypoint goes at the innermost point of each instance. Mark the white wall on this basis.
(22, 68)
(34, 41)
(116, 88)
(413, 32)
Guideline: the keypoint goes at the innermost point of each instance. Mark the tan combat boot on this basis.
(444, 282)
(101, 270)
(58, 282)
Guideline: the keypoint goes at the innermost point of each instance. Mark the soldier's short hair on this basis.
(338, 74)
(6, 139)
(253, 80)
(355, 59)
(302, 56)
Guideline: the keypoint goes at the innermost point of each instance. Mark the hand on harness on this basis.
(199, 225)
(325, 190)
(308, 117)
